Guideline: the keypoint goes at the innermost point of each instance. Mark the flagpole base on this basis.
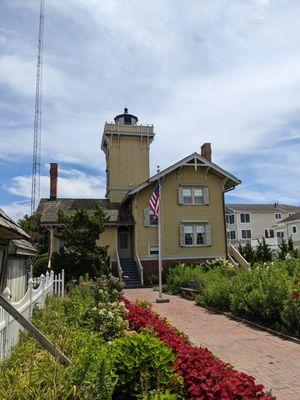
(162, 300)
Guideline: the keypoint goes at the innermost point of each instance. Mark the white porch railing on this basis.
(120, 271)
(37, 291)
(140, 267)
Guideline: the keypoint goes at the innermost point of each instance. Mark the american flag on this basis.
(155, 198)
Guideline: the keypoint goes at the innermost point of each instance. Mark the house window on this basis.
(149, 218)
(291, 214)
(232, 235)
(187, 196)
(269, 233)
(197, 234)
(193, 195)
(246, 233)
(278, 216)
(153, 250)
(294, 229)
(245, 218)
(231, 219)
(280, 234)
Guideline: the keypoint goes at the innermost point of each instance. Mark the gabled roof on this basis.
(229, 180)
(115, 214)
(292, 218)
(10, 229)
(272, 208)
(22, 247)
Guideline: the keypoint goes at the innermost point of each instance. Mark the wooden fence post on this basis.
(30, 288)
(62, 283)
(42, 283)
(7, 295)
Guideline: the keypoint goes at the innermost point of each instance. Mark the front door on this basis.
(124, 243)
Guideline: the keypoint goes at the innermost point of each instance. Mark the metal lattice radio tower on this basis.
(36, 159)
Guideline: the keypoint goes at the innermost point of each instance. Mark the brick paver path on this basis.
(273, 361)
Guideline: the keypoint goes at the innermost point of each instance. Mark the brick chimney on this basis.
(206, 151)
(53, 181)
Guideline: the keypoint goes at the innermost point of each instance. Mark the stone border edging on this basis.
(255, 324)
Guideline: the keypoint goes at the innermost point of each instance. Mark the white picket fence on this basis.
(37, 291)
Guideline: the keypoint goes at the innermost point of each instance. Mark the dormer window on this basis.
(278, 216)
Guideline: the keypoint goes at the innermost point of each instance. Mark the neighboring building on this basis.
(250, 222)
(9, 232)
(289, 227)
(20, 256)
(192, 202)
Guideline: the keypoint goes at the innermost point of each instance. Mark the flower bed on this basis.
(205, 377)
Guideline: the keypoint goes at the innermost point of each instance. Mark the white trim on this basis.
(186, 257)
(278, 213)
(184, 161)
(245, 213)
(153, 256)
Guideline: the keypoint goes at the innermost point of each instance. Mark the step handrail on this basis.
(120, 271)
(237, 256)
(140, 267)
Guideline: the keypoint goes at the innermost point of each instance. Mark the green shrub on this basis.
(143, 303)
(151, 280)
(216, 290)
(260, 293)
(108, 319)
(142, 363)
(180, 274)
(159, 395)
(40, 265)
(107, 289)
(290, 316)
(32, 373)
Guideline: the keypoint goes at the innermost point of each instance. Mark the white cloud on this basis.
(71, 183)
(206, 71)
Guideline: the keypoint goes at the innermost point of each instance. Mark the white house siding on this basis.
(17, 278)
(295, 236)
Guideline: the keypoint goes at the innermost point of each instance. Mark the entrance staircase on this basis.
(131, 273)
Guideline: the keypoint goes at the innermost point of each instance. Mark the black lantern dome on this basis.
(126, 119)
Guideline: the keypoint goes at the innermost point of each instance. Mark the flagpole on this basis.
(159, 247)
(160, 298)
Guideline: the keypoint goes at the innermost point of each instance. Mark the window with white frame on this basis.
(278, 216)
(149, 218)
(193, 195)
(269, 233)
(196, 234)
(231, 219)
(246, 233)
(280, 234)
(152, 250)
(245, 218)
(232, 235)
(294, 229)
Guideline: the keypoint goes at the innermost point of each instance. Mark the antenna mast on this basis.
(36, 159)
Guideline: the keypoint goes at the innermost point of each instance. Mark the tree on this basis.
(39, 235)
(283, 249)
(80, 254)
(249, 253)
(263, 251)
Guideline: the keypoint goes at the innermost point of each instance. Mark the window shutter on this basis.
(146, 217)
(180, 196)
(208, 234)
(206, 195)
(182, 241)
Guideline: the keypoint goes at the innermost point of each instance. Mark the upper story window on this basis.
(294, 229)
(231, 219)
(197, 234)
(245, 217)
(280, 234)
(246, 233)
(149, 218)
(278, 215)
(193, 195)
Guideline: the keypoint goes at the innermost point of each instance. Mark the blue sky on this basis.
(201, 71)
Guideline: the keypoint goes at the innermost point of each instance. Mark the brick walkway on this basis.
(273, 361)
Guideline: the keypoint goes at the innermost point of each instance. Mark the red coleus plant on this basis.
(205, 377)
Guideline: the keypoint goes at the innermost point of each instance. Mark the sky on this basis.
(219, 71)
